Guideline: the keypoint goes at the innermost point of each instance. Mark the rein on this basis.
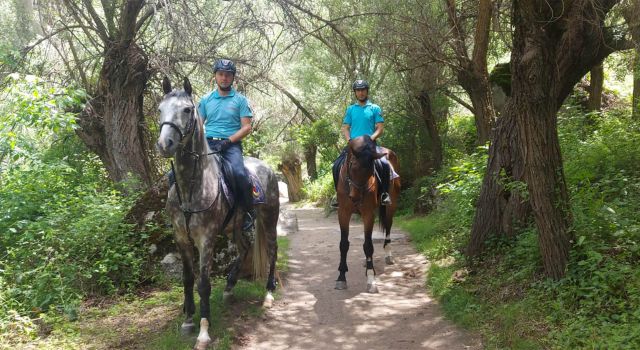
(363, 188)
(190, 130)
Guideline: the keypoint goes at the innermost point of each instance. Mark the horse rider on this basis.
(227, 120)
(364, 118)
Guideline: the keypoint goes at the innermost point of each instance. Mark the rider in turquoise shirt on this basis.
(227, 120)
(221, 114)
(364, 118)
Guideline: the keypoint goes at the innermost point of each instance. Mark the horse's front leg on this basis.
(204, 290)
(368, 220)
(344, 216)
(189, 306)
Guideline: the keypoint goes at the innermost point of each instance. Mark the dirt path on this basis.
(311, 314)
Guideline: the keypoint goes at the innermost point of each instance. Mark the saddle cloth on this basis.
(257, 191)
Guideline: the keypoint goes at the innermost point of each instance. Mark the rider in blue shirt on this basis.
(364, 118)
(227, 120)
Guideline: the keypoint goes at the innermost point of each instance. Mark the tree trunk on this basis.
(290, 168)
(310, 152)
(547, 61)
(500, 211)
(429, 118)
(636, 85)
(535, 103)
(595, 88)
(112, 123)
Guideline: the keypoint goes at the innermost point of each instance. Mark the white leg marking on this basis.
(203, 337)
(268, 300)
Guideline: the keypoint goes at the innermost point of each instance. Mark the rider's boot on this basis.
(385, 199)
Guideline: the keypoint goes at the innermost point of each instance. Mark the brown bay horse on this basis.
(359, 192)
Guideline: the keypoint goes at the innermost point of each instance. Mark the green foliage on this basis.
(321, 190)
(504, 294)
(62, 235)
(33, 113)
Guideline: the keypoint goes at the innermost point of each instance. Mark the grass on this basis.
(150, 320)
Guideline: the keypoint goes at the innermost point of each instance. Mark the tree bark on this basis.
(310, 152)
(595, 88)
(112, 122)
(429, 118)
(636, 85)
(290, 168)
(547, 61)
(472, 73)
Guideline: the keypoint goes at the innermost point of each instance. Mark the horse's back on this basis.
(393, 158)
(267, 178)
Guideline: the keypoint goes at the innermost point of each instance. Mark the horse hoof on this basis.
(372, 288)
(226, 296)
(268, 301)
(202, 345)
(340, 285)
(187, 328)
(389, 260)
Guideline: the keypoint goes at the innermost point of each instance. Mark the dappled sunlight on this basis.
(311, 314)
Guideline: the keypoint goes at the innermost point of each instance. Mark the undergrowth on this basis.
(503, 295)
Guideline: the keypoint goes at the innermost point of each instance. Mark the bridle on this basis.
(189, 131)
(364, 187)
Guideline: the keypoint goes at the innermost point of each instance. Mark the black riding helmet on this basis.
(224, 65)
(360, 84)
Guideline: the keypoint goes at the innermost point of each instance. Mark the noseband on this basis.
(361, 187)
(190, 125)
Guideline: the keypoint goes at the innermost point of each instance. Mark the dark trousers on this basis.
(382, 165)
(240, 183)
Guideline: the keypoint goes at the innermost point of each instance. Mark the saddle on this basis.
(227, 188)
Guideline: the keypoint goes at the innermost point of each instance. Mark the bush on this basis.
(64, 238)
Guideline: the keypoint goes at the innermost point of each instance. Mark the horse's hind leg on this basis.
(188, 278)
(242, 245)
(388, 221)
(268, 232)
(388, 256)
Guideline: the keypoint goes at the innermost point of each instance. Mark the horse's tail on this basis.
(260, 256)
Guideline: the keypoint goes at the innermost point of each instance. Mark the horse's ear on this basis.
(187, 86)
(166, 85)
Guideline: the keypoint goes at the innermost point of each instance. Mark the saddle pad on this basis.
(257, 190)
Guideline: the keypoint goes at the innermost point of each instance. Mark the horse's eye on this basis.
(187, 110)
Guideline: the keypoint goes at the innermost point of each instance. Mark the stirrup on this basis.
(385, 199)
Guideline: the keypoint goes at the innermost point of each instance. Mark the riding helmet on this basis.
(360, 84)
(224, 65)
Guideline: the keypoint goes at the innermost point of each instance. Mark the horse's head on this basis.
(177, 117)
(360, 165)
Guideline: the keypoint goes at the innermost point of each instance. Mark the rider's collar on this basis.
(217, 95)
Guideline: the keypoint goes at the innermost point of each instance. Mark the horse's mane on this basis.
(364, 149)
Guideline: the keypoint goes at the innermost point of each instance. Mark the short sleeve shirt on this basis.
(222, 114)
(362, 120)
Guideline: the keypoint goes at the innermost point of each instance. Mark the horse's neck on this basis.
(194, 162)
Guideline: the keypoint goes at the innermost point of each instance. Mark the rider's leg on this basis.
(243, 188)
(385, 178)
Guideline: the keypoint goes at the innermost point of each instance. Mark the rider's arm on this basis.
(245, 129)
(346, 131)
(378, 132)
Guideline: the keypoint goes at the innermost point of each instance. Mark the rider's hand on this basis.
(224, 145)
(221, 146)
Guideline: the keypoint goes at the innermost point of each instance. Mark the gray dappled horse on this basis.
(358, 192)
(200, 212)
